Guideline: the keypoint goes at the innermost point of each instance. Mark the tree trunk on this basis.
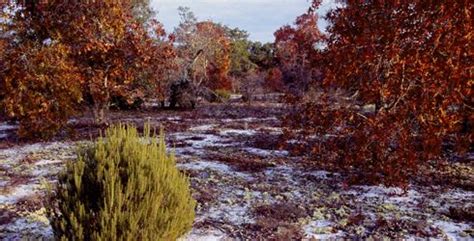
(99, 112)
(100, 108)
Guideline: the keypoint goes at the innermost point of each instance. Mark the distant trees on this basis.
(211, 68)
(296, 51)
(142, 11)
(228, 58)
(3, 44)
(217, 53)
(411, 61)
(113, 54)
(240, 52)
(262, 55)
(274, 80)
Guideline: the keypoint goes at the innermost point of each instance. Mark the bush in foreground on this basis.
(122, 188)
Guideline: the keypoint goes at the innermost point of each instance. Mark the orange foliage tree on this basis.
(218, 55)
(40, 88)
(211, 69)
(39, 84)
(296, 51)
(411, 63)
(114, 53)
(3, 44)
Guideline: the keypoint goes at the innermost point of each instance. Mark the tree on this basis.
(3, 45)
(39, 84)
(296, 50)
(98, 45)
(262, 55)
(114, 52)
(40, 87)
(413, 62)
(251, 84)
(110, 50)
(152, 57)
(142, 11)
(274, 80)
(211, 68)
(240, 63)
(216, 50)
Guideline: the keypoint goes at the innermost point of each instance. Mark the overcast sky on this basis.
(261, 18)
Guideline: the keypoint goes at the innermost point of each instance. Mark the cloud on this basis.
(261, 18)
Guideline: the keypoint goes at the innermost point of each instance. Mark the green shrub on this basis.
(122, 187)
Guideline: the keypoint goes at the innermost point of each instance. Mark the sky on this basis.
(261, 18)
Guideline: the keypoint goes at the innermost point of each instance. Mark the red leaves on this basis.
(405, 59)
(211, 69)
(115, 52)
(296, 50)
(274, 80)
(63, 51)
(40, 88)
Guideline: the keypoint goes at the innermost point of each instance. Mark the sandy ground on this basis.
(247, 189)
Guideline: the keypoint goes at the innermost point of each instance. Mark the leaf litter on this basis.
(246, 191)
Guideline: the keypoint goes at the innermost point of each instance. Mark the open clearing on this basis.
(247, 188)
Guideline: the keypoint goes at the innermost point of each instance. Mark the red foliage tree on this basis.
(274, 80)
(39, 84)
(411, 63)
(55, 54)
(114, 53)
(212, 67)
(296, 50)
(218, 63)
(40, 88)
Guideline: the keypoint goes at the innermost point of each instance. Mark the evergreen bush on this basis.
(122, 187)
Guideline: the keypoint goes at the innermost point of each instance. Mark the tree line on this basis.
(58, 58)
(382, 94)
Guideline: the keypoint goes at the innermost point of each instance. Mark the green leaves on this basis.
(130, 189)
